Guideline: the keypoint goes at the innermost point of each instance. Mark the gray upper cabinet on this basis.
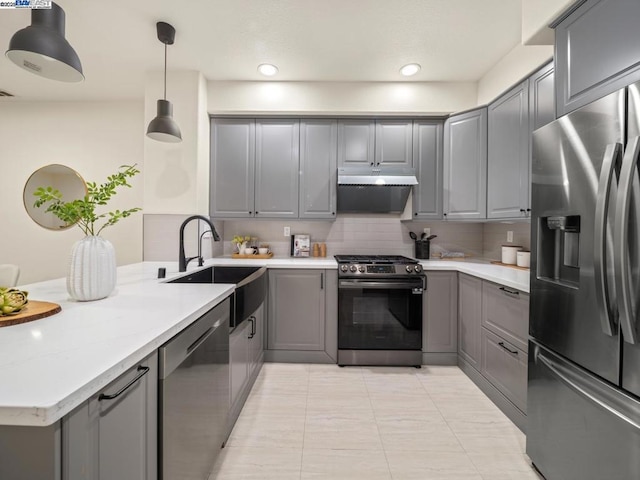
(318, 167)
(393, 146)
(296, 319)
(427, 154)
(277, 168)
(542, 100)
(440, 332)
(597, 52)
(465, 165)
(508, 154)
(115, 438)
(469, 319)
(356, 143)
(232, 167)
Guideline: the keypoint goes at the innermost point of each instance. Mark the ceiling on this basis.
(309, 40)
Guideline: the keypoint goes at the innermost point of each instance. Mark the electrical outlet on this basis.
(427, 231)
(287, 231)
(509, 235)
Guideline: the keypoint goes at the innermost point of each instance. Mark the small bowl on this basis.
(263, 250)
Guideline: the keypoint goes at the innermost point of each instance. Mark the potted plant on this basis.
(92, 267)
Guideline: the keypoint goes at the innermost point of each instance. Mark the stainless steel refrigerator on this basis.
(583, 405)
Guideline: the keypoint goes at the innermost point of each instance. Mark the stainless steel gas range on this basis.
(379, 310)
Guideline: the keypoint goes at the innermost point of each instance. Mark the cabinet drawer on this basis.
(505, 311)
(505, 366)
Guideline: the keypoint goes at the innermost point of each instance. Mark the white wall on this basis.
(93, 139)
(513, 67)
(344, 98)
(536, 16)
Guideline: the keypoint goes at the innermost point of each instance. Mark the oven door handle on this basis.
(381, 284)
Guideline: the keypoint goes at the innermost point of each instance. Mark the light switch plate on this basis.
(509, 235)
(287, 231)
(427, 231)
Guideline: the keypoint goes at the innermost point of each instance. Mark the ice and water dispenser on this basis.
(559, 249)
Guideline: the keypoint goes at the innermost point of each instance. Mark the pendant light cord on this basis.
(165, 71)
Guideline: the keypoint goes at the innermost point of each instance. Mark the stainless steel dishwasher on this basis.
(194, 396)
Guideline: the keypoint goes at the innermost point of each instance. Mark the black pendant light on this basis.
(164, 128)
(42, 49)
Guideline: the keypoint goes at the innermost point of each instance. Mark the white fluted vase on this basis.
(92, 269)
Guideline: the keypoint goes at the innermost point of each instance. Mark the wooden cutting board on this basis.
(253, 255)
(495, 262)
(34, 310)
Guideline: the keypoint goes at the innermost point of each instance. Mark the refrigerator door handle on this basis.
(621, 247)
(582, 388)
(611, 156)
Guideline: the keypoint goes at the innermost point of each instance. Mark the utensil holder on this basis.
(422, 249)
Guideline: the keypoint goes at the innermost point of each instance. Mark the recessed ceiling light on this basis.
(410, 69)
(267, 69)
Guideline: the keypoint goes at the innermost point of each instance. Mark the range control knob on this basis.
(409, 269)
(418, 268)
(353, 268)
(344, 268)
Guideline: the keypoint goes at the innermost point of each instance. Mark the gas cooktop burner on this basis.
(385, 259)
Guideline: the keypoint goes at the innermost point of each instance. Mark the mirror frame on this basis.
(28, 202)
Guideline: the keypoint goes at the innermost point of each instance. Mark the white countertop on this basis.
(49, 366)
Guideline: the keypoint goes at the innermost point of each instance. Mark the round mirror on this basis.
(65, 179)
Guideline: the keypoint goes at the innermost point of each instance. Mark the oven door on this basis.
(380, 314)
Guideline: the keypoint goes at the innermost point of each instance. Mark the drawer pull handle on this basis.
(514, 352)
(509, 291)
(143, 371)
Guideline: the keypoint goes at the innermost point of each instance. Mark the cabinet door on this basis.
(440, 330)
(506, 311)
(469, 318)
(542, 100)
(115, 438)
(465, 166)
(393, 143)
(238, 360)
(427, 154)
(277, 168)
(232, 167)
(505, 366)
(318, 167)
(597, 52)
(508, 154)
(296, 310)
(356, 143)
(256, 340)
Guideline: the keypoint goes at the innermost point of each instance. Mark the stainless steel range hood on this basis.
(374, 190)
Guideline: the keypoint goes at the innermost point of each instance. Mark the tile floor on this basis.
(324, 422)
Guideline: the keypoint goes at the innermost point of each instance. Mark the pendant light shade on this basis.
(42, 49)
(164, 128)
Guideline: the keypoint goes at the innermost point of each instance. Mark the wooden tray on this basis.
(34, 310)
(257, 255)
(495, 262)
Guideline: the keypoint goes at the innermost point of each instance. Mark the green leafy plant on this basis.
(82, 212)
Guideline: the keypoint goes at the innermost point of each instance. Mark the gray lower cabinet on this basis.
(113, 435)
(246, 356)
(302, 320)
(508, 154)
(465, 166)
(440, 318)
(277, 168)
(469, 319)
(597, 52)
(232, 167)
(505, 311)
(505, 366)
(427, 157)
(318, 168)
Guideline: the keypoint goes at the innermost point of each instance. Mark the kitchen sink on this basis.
(250, 282)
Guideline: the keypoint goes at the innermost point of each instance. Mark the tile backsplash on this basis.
(349, 233)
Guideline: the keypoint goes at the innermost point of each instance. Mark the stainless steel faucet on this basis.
(182, 259)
